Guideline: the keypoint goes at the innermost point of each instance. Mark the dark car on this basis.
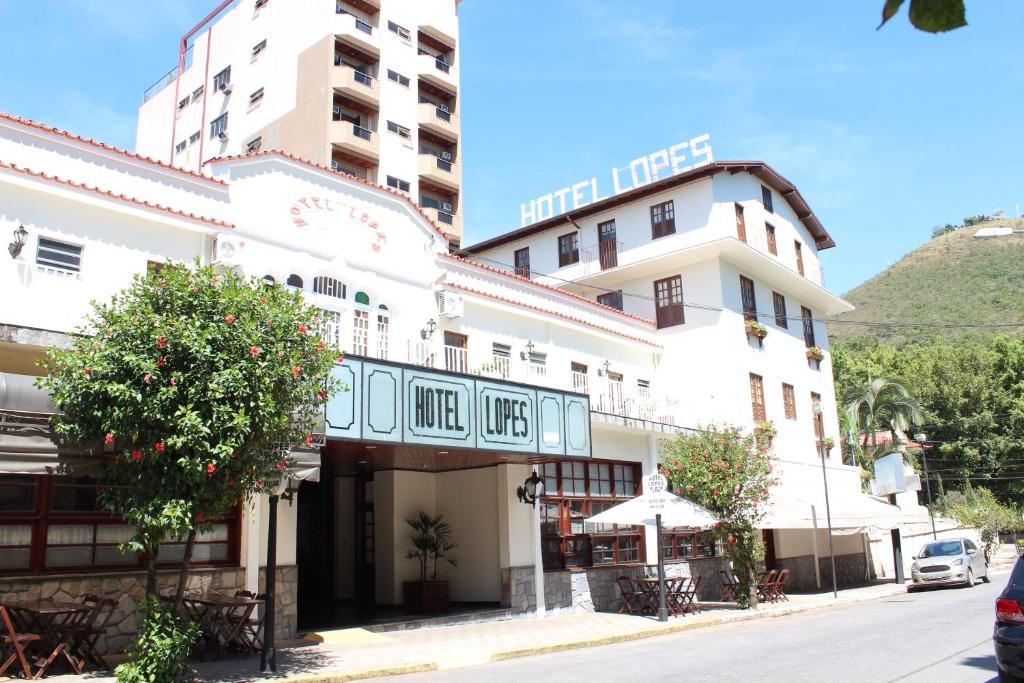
(1008, 635)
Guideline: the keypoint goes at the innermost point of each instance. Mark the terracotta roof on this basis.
(562, 292)
(114, 195)
(110, 148)
(759, 169)
(579, 321)
(328, 169)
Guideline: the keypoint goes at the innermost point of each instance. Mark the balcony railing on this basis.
(360, 132)
(456, 359)
(439, 63)
(601, 256)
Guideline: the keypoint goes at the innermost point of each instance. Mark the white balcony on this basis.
(438, 171)
(359, 86)
(601, 256)
(437, 72)
(438, 121)
(813, 273)
(357, 140)
(357, 33)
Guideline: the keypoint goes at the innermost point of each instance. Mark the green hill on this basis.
(954, 278)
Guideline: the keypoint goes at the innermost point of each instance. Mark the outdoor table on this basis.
(649, 592)
(221, 617)
(51, 619)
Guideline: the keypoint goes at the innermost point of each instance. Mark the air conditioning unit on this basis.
(449, 305)
(444, 108)
(446, 156)
(226, 88)
(223, 135)
(226, 251)
(446, 207)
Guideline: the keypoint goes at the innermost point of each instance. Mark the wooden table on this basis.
(221, 617)
(52, 620)
(649, 592)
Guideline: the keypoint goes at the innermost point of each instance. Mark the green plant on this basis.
(755, 329)
(882, 404)
(764, 432)
(730, 474)
(815, 353)
(198, 382)
(161, 649)
(829, 443)
(977, 508)
(430, 542)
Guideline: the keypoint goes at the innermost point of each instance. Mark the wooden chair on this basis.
(779, 590)
(691, 603)
(729, 584)
(251, 632)
(87, 633)
(632, 600)
(17, 642)
(765, 585)
(675, 596)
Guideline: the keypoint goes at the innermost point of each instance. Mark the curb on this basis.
(361, 674)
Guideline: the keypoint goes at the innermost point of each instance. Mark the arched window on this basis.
(383, 324)
(328, 286)
(269, 279)
(362, 298)
(295, 281)
(361, 326)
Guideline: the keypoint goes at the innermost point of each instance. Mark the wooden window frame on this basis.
(798, 249)
(748, 298)
(757, 406)
(668, 311)
(570, 255)
(769, 233)
(766, 199)
(807, 318)
(610, 299)
(741, 223)
(522, 270)
(789, 401)
(687, 545)
(779, 302)
(663, 219)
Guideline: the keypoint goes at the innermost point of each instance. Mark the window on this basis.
(402, 32)
(361, 332)
(780, 310)
(294, 281)
(219, 126)
(222, 79)
(523, 262)
(398, 183)
(580, 380)
(54, 523)
(256, 97)
(569, 249)
(808, 320)
(328, 286)
(819, 427)
(799, 257)
(383, 326)
(749, 300)
(766, 199)
(455, 351)
(769, 230)
(576, 490)
(537, 364)
(182, 104)
(259, 47)
(330, 330)
(611, 299)
(663, 219)
(398, 78)
(689, 545)
(197, 93)
(180, 147)
(741, 224)
(254, 145)
(501, 359)
(789, 401)
(668, 301)
(58, 255)
(400, 131)
(193, 139)
(757, 397)
(607, 245)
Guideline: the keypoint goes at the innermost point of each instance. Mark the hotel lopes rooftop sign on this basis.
(664, 163)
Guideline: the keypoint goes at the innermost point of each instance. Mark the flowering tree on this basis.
(730, 474)
(196, 383)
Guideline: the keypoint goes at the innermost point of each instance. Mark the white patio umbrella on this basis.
(657, 508)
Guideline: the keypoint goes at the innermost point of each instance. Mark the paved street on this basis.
(939, 636)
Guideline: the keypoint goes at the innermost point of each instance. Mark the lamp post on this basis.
(819, 423)
(531, 490)
(268, 655)
(921, 438)
(20, 235)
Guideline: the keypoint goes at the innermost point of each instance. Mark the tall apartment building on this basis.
(369, 88)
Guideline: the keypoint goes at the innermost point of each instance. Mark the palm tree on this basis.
(882, 404)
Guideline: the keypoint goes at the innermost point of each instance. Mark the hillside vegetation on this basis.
(953, 278)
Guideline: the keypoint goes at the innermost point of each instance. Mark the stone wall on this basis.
(595, 589)
(128, 588)
(850, 571)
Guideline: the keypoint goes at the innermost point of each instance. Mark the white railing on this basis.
(580, 382)
(632, 403)
(455, 359)
(420, 353)
(601, 256)
(58, 272)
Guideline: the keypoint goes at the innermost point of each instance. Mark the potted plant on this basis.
(815, 353)
(764, 432)
(829, 443)
(756, 330)
(430, 542)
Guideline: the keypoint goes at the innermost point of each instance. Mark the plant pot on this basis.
(425, 597)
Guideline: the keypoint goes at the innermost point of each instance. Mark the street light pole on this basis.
(828, 509)
(920, 438)
(662, 609)
(268, 656)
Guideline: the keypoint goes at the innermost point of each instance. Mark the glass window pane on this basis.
(69, 533)
(209, 552)
(74, 498)
(15, 534)
(219, 533)
(14, 558)
(113, 533)
(109, 554)
(15, 497)
(76, 556)
(603, 550)
(171, 552)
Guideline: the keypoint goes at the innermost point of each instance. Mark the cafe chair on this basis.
(86, 634)
(632, 601)
(251, 631)
(17, 643)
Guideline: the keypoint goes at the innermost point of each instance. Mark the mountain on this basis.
(953, 278)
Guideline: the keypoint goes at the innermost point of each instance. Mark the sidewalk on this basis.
(353, 654)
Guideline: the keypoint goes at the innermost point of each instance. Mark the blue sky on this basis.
(886, 133)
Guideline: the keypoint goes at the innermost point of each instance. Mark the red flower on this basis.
(320, 345)
(213, 280)
(231, 483)
(174, 382)
(146, 378)
(159, 447)
(200, 516)
(309, 439)
(255, 351)
(229, 318)
(296, 369)
(161, 361)
(211, 468)
(109, 438)
(270, 323)
(263, 299)
(303, 329)
(161, 342)
(689, 489)
(340, 358)
(137, 454)
(281, 464)
(87, 370)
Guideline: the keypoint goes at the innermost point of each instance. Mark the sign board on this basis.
(889, 477)
(664, 163)
(397, 403)
(654, 486)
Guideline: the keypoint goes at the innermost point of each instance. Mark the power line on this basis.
(770, 316)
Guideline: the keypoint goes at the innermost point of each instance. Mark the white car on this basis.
(950, 561)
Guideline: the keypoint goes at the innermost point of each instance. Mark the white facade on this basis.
(368, 89)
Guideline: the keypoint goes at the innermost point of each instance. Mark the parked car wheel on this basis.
(1009, 678)
(970, 578)
(986, 578)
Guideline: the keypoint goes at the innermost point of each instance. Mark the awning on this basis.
(304, 464)
(851, 513)
(674, 511)
(26, 446)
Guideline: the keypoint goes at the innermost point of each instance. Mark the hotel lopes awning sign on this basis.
(395, 403)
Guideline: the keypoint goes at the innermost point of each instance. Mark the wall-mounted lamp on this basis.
(607, 365)
(20, 235)
(528, 353)
(531, 490)
(428, 331)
